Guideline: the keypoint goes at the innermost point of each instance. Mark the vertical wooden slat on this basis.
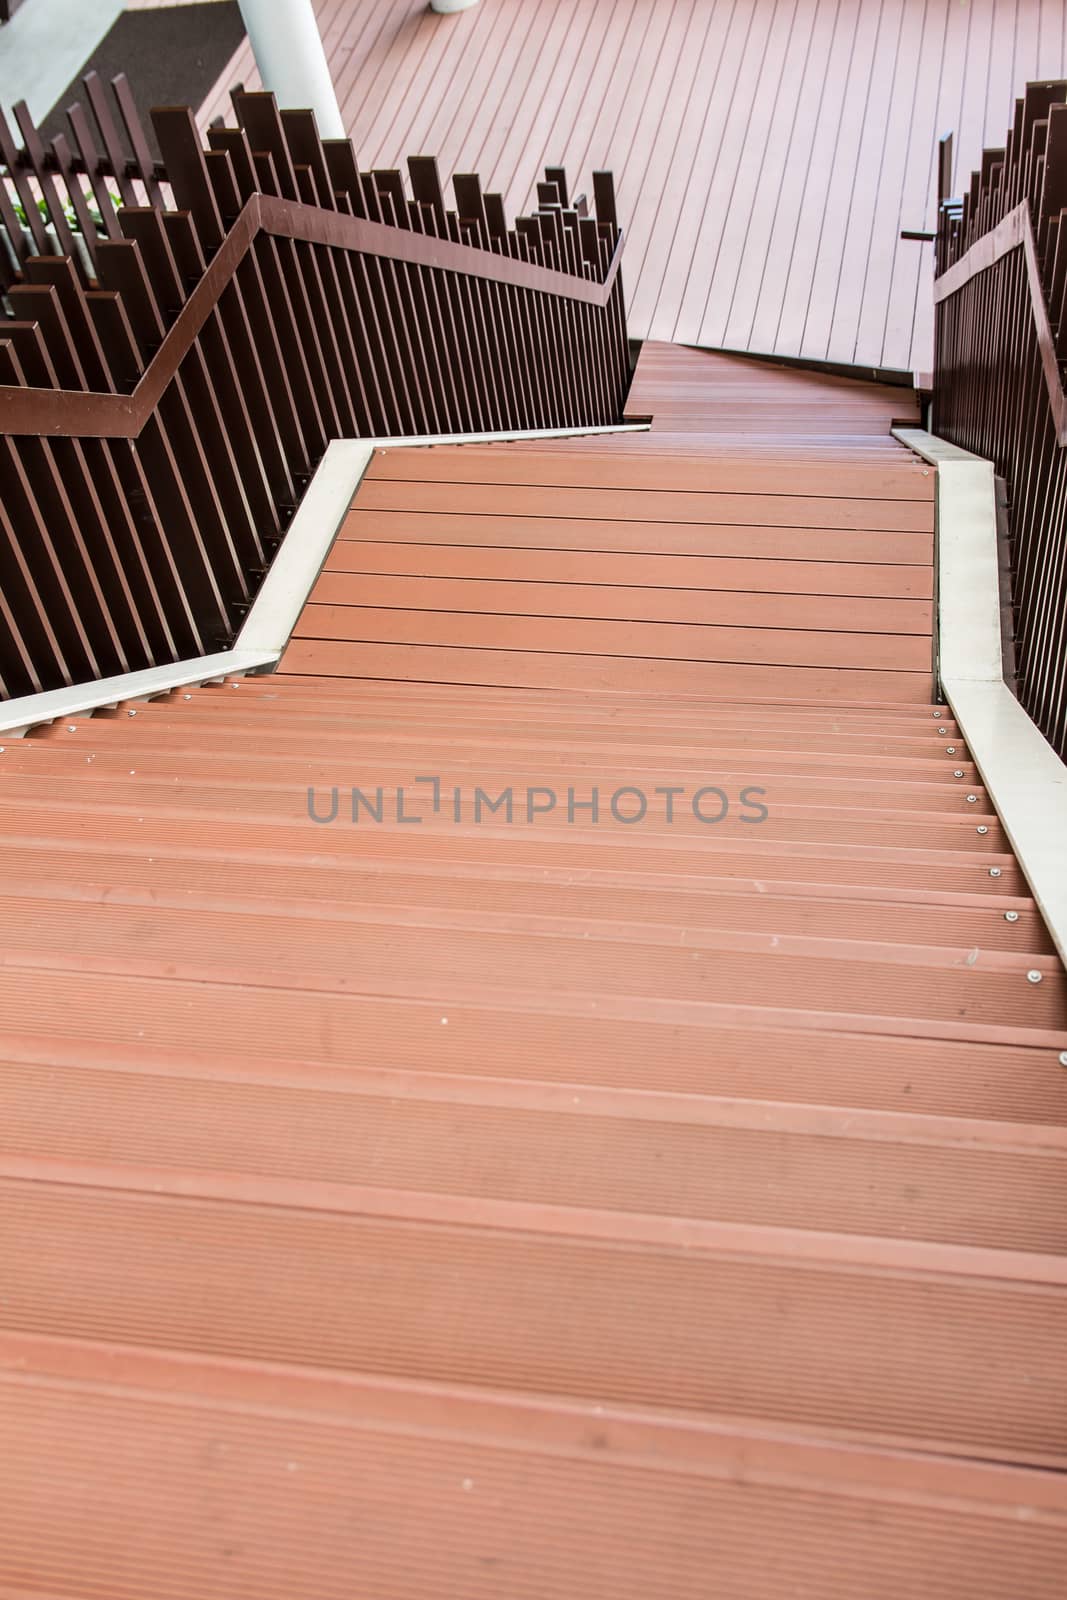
(122, 496)
(64, 159)
(131, 121)
(94, 167)
(427, 376)
(47, 552)
(231, 171)
(123, 269)
(174, 625)
(187, 172)
(398, 355)
(113, 151)
(349, 404)
(235, 371)
(514, 384)
(45, 181)
(201, 610)
(230, 453)
(9, 157)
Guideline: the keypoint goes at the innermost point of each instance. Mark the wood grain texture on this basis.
(767, 152)
(492, 565)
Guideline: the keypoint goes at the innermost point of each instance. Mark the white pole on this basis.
(445, 8)
(288, 50)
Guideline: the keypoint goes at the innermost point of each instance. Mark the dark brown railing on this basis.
(173, 366)
(1001, 349)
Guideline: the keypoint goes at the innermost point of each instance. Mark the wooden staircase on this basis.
(547, 1204)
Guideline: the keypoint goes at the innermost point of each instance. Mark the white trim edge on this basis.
(1025, 778)
(284, 591)
(308, 541)
(18, 716)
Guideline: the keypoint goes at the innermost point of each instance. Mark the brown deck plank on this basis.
(901, 478)
(510, 668)
(398, 1283)
(573, 599)
(645, 505)
(697, 542)
(535, 632)
(482, 1477)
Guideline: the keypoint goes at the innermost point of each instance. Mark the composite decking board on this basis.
(876, 558)
(666, 505)
(831, 821)
(427, 953)
(256, 1034)
(477, 1472)
(535, 631)
(512, 668)
(398, 1286)
(767, 154)
(578, 711)
(662, 604)
(793, 767)
(796, 780)
(793, 908)
(662, 859)
(951, 1182)
(834, 734)
(868, 448)
(905, 479)
(418, 621)
(775, 406)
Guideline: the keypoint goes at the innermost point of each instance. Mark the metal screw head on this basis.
(131, 713)
(958, 773)
(994, 872)
(972, 799)
(950, 749)
(187, 697)
(981, 828)
(72, 727)
(1063, 1058)
(942, 730)
(1011, 916)
(1033, 976)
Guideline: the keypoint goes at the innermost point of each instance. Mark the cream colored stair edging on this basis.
(1025, 778)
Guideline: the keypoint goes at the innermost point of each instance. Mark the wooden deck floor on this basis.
(481, 1199)
(768, 152)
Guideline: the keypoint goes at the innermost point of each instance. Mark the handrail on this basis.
(98, 414)
(1000, 301)
(1013, 231)
(168, 387)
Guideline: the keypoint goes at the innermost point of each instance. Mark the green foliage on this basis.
(68, 212)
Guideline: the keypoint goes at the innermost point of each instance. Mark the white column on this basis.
(288, 50)
(445, 8)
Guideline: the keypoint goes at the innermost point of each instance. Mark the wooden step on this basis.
(274, 1481)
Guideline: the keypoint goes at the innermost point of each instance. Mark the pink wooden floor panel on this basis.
(767, 152)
